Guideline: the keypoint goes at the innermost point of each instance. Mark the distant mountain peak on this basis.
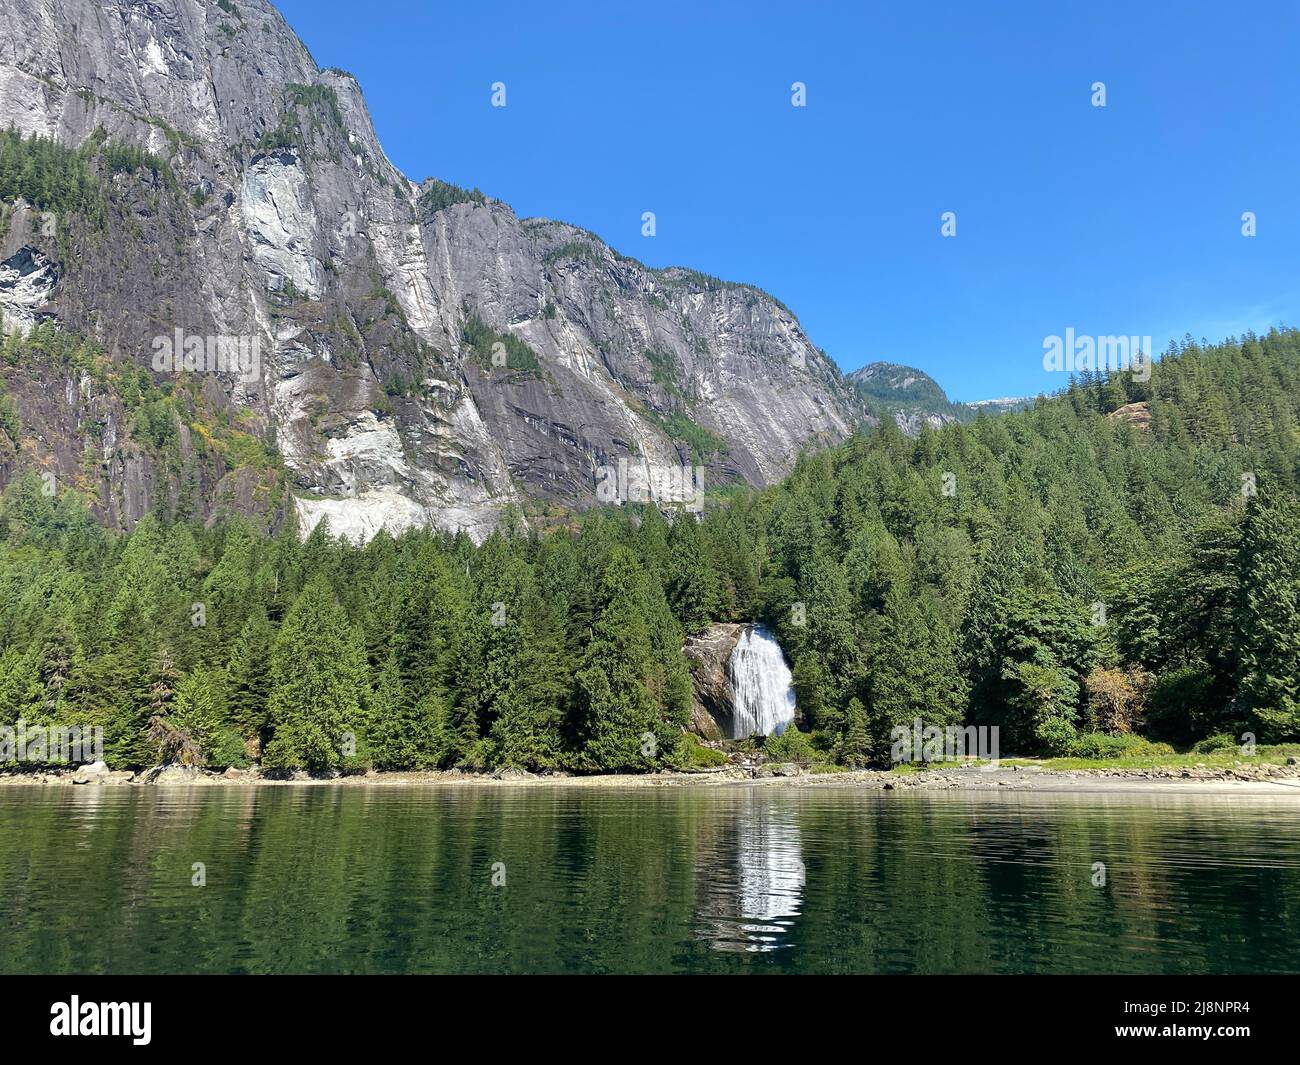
(914, 399)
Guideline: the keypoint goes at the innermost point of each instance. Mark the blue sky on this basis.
(1118, 220)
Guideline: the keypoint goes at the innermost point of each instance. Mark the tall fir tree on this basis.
(1268, 618)
(318, 685)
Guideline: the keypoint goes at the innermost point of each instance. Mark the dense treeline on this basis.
(1124, 557)
(53, 177)
(48, 175)
(1121, 560)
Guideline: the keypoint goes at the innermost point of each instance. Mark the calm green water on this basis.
(323, 879)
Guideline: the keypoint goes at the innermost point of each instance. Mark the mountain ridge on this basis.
(427, 356)
(914, 399)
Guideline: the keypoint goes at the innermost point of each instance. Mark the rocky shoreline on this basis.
(1241, 777)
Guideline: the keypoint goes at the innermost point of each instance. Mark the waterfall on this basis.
(760, 681)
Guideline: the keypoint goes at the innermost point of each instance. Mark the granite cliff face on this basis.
(422, 355)
(713, 703)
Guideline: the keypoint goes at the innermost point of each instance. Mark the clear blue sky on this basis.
(1122, 220)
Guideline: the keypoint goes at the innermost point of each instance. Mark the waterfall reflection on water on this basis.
(755, 892)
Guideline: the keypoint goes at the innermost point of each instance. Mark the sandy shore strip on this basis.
(1242, 778)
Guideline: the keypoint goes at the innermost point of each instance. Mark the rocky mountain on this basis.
(713, 704)
(1002, 405)
(914, 399)
(189, 191)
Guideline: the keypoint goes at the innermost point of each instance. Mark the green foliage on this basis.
(315, 97)
(692, 585)
(75, 182)
(1101, 745)
(318, 685)
(399, 384)
(1220, 741)
(692, 755)
(887, 388)
(309, 110)
(1057, 509)
(1043, 700)
(1269, 615)
(49, 176)
(435, 195)
(285, 134)
(664, 371)
(536, 679)
(697, 280)
(155, 422)
(791, 746)
(1183, 703)
(633, 688)
(121, 158)
(902, 385)
(679, 426)
(856, 747)
(10, 424)
(481, 340)
(574, 249)
(701, 441)
(915, 675)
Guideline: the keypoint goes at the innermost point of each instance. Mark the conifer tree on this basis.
(188, 728)
(248, 677)
(692, 584)
(1268, 618)
(914, 674)
(527, 729)
(318, 685)
(855, 750)
(400, 731)
(615, 715)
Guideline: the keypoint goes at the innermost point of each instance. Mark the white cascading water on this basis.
(772, 874)
(760, 683)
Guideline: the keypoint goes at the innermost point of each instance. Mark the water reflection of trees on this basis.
(329, 879)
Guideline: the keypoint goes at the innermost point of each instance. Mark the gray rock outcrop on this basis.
(712, 704)
(93, 773)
